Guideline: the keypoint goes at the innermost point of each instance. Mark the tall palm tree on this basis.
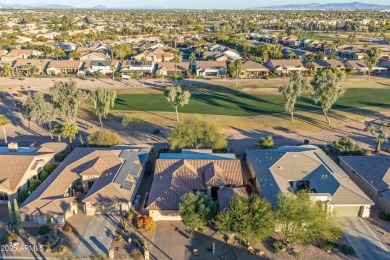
(238, 66)
(192, 58)
(70, 130)
(4, 121)
(58, 130)
(199, 50)
(176, 60)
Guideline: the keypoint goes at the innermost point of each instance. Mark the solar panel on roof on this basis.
(135, 169)
(127, 185)
(125, 154)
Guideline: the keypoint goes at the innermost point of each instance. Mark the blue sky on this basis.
(217, 4)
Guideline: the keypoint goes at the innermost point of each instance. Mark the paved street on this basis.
(98, 236)
(366, 244)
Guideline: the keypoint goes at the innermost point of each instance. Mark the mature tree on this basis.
(328, 88)
(75, 55)
(300, 219)
(197, 209)
(265, 143)
(66, 99)
(145, 223)
(199, 50)
(102, 100)
(250, 218)
(4, 121)
(104, 138)
(26, 109)
(121, 51)
(196, 133)
(192, 58)
(57, 131)
(293, 90)
(176, 97)
(346, 146)
(40, 110)
(371, 59)
(69, 130)
(379, 137)
(58, 53)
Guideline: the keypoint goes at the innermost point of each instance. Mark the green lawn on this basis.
(236, 103)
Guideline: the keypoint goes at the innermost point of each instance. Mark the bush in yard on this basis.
(59, 248)
(326, 247)
(34, 183)
(22, 195)
(367, 152)
(43, 230)
(146, 223)
(265, 143)
(43, 175)
(278, 246)
(197, 209)
(68, 228)
(348, 250)
(384, 216)
(346, 146)
(104, 138)
(6, 239)
(49, 167)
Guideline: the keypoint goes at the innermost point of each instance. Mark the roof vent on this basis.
(160, 177)
(13, 147)
(280, 167)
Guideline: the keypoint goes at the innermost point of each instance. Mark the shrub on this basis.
(366, 129)
(326, 247)
(43, 175)
(19, 95)
(367, 152)
(49, 167)
(104, 138)
(346, 146)
(347, 250)
(118, 239)
(22, 195)
(265, 143)
(59, 248)
(43, 230)
(130, 215)
(34, 183)
(7, 239)
(384, 216)
(278, 246)
(59, 157)
(68, 228)
(306, 141)
(146, 223)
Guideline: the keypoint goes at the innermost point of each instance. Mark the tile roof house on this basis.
(106, 180)
(20, 54)
(289, 169)
(19, 165)
(170, 68)
(133, 66)
(156, 55)
(285, 67)
(64, 67)
(324, 64)
(360, 67)
(207, 69)
(251, 69)
(102, 66)
(175, 177)
(372, 175)
(94, 56)
(26, 67)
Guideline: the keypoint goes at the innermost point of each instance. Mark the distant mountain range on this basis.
(314, 6)
(34, 6)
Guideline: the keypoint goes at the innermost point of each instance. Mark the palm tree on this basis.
(176, 60)
(199, 50)
(192, 58)
(237, 65)
(4, 121)
(58, 130)
(69, 130)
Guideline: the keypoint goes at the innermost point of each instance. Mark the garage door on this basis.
(347, 211)
(106, 209)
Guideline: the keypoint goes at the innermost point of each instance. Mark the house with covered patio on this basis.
(285, 67)
(96, 180)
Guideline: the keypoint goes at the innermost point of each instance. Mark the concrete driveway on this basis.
(366, 244)
(97, 236)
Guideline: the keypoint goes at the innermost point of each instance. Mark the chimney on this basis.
(13, 147)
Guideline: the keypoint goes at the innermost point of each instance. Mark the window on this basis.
(3, 196)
